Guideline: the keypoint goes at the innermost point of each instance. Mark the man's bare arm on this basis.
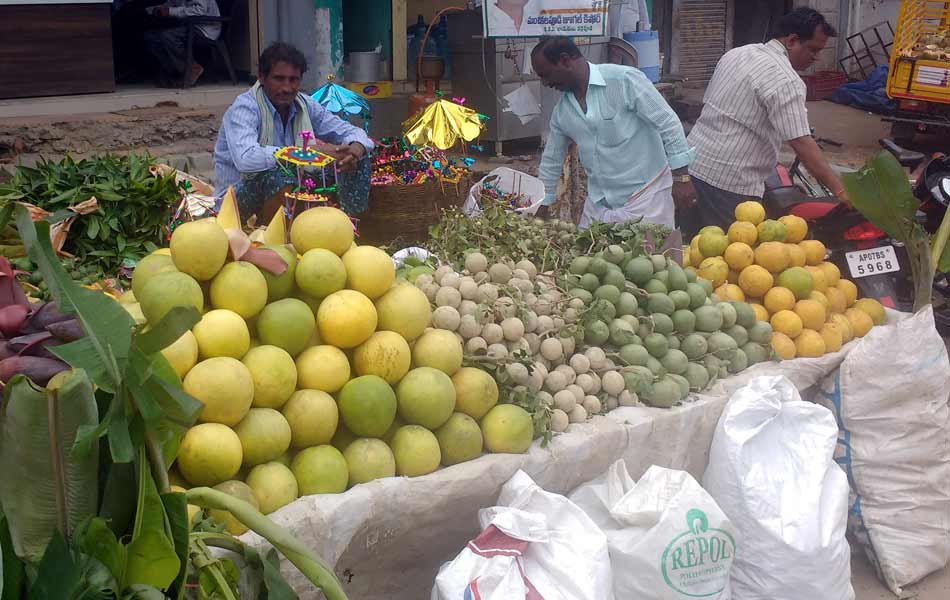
(811, 156)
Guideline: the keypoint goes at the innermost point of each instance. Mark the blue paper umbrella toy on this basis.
(341, 101)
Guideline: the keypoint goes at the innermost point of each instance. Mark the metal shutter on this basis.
(699, 38)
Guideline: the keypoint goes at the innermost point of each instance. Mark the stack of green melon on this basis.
(615, 329)
(669, 330)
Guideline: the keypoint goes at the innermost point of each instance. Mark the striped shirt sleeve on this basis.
(241, 125)
(786, 108)
(331, 128)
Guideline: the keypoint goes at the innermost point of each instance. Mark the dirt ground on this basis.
(868, 587)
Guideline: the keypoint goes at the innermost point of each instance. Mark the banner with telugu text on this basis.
(535, 18)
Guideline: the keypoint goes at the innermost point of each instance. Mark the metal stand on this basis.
(864, 51)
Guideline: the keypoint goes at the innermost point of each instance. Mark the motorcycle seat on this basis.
(812, 211)
(907, 158)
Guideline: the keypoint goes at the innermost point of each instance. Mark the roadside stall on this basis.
(372, 410)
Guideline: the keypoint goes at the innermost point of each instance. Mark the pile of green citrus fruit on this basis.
(319, 378)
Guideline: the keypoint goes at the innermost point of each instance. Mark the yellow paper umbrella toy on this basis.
(442, 124)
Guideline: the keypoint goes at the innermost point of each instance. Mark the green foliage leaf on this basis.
(57, 575)
(944, 265)
(82, 354)
(213, 576)
(882, 193)
(176, 507)
(29, 489)
(277, 586)
(941, 245)
(99, 542)
(96, 581)
(133, 205)
(11, 569)
(119, 497)
(173, 325)
(105, 349)
(142, 592)
(120, 440)
(151, 558)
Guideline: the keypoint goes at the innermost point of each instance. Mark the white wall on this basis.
(866, 13)
(828, 59)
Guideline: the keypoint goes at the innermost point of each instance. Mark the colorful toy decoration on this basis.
(396, 163)
(443, 124)
(514, 199)
(307, 159)
(192, 206)
(342, 102)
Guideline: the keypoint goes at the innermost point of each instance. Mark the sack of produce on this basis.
(668, 539)
(772, 470)
(534, 544)
(890, 399)
(522, 192)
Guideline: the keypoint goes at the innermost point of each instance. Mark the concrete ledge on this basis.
(124, 99)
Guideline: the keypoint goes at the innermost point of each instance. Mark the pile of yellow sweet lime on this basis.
(770, 264)
(318, 378)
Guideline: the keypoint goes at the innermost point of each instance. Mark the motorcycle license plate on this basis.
(872, 261)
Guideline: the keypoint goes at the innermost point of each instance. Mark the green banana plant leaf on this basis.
(151, 557)
(58, 575)
(97, 541)
(12, 575)
(881, 192)
(126, 365)
(46, 486)
(941, 247)
(105, 349)
(176, 507)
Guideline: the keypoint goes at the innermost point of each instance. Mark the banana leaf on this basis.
(114, 362)
(12, 574)
(881, 192)
(151, 558)
(45, 486)
(104, 351)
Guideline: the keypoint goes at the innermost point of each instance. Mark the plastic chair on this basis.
(194, 38)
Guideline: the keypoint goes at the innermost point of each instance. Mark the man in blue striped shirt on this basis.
(271, 115)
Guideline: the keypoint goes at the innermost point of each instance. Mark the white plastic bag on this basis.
(668, 539)
(890, 400)
(772, 470)
(535, 545)
(513, 182)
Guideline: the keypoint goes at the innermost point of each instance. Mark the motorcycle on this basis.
(875, 262)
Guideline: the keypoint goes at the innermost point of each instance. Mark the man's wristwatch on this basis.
(681, 178)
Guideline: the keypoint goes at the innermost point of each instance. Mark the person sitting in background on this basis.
(271, 115)
(167, 45)
(755, 102)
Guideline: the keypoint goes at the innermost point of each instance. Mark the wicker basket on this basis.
(405, 212)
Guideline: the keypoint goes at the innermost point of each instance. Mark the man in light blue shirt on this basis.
(271, 115)
(630, 141)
